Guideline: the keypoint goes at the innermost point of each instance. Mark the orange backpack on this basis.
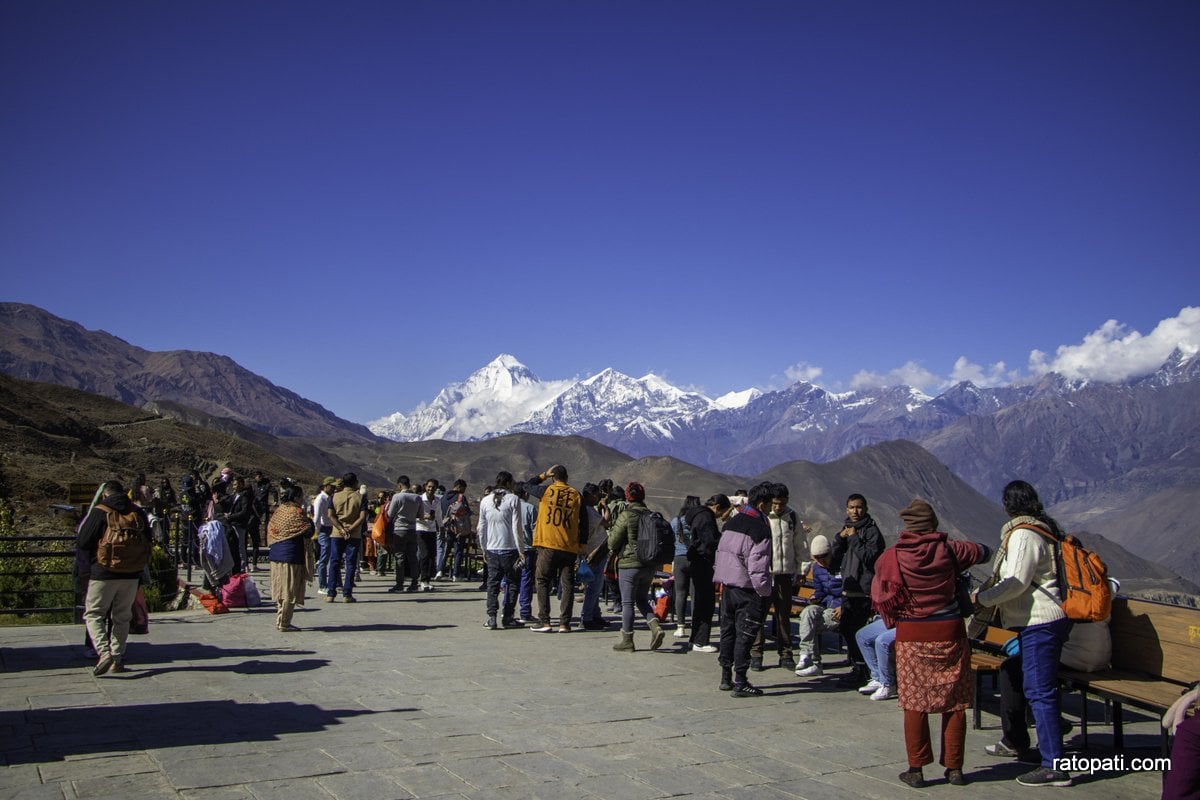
(1082, 578)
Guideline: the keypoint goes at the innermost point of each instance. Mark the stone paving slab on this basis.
(407, 696)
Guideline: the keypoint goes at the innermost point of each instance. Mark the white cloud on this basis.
(911, 374)
(996, 375)
(1113, 352)
(803, 371)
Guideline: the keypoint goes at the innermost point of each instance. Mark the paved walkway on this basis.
(403, 696)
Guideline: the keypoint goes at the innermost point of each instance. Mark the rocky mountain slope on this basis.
(36, 345)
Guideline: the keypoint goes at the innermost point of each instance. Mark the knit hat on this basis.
(635, 492)
(819, 546)
(918, 517)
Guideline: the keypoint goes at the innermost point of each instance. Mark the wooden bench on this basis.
(1155, 659)
(987, 654)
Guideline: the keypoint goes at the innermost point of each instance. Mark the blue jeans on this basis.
(877, 642)
(1041, 648)
(342, 552)
(323, 556)
(525, 596)
(591, 598)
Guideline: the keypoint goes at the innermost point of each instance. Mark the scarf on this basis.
(288, 522)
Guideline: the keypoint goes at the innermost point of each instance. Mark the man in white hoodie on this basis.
(789, 549)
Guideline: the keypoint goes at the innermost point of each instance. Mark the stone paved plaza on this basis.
(402, 696)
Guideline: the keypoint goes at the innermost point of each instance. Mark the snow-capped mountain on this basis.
(742, 432)
(491, 401)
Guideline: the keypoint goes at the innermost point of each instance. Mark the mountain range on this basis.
(1117, 460)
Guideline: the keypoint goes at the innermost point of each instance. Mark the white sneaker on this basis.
(438, 577)
(884, 693)
(703, 648)
(811, 671)
(803, 661)
(680, 633)
(870, 688)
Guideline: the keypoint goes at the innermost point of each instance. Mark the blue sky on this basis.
(365, 201)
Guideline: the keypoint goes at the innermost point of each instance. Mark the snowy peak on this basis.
(737, 399)
(491, 400)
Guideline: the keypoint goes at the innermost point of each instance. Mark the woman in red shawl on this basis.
(914, 587)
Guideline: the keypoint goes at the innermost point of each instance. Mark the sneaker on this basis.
(490, 624)
(1027, 755)
(1044, 776)
(955, 777)
(564, 629)
(745, 690)
(680, 633)
(349, 599)
(703, 648)
(805, 660)
(542, 629)
(438, 576)
(118, 667)
(523, 620)
(288, 629)
(811, 671)
(913, 778)
(395, 590)
(870, 688)
(453, 579)
(884, 693)
(328, 598)
(513, 623)
(103, 666)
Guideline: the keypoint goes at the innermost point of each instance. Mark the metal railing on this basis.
(22, 578)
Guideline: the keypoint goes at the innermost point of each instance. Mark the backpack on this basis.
(124, 546)
(458, 507)
(655, 540)
(381, 528)
(1082, 578)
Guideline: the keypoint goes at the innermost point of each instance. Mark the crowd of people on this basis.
(899, 609)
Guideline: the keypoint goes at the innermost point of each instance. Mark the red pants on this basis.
(920, 749)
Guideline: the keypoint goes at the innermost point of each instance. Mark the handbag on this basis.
(962, 586)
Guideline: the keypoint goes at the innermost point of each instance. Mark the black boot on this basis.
(726, 679)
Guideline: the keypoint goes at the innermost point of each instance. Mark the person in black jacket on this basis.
(856, 548)
(110, 592)
(238, 522)
(705, 524)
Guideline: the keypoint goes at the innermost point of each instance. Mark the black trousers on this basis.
(502, 565)
(856, 612)
(704, 600)
(741, 616)
(404, 545)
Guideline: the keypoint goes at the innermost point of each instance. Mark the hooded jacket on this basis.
(744, 553)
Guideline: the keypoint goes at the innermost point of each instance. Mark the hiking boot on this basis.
(1044, 776)
(626, 643)
(756, 665)
(656, 633)
(913, 778)
(745, 690)
(726, 679)
(787, 662)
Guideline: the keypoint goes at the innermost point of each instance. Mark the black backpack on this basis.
(655, 540)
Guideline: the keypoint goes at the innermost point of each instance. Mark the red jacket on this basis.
(914, 578)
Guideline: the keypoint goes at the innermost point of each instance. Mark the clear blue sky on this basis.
(365, 201)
